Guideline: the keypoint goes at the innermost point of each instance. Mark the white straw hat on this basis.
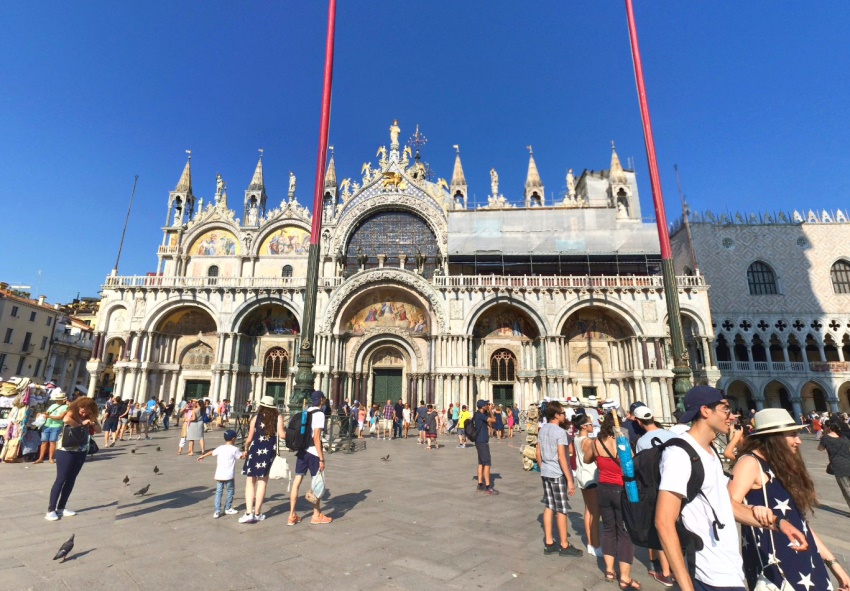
(268, 401)
(773, 420)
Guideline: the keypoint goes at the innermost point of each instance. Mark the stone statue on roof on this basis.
(394, 131)
(292, 183)
(219, 185)
(494, 182)
(571, 184)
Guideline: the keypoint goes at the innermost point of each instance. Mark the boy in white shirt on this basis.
(225, 472)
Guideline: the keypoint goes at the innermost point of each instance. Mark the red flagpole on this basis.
(316, 229)
(654, 177)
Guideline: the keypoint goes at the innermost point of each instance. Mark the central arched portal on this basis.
(387, 368)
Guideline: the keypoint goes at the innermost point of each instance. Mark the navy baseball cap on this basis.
(696, 398)
(317, 397)
(482, 403)
(636, 405)
(229, 435)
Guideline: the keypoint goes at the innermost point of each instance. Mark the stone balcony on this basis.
(454, 282)
(766, 367)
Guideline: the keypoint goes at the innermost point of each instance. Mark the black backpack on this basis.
(639, 517)
(299, 432)
(469, 429)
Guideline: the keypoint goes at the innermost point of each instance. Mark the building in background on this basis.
(70, 351)
(26, 334)
(420, 296)
(780, 300)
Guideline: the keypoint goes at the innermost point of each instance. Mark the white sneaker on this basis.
(230, 511)
(247, 518)
(67, 512)
(52, 516)
(217, 514)
(260, 517)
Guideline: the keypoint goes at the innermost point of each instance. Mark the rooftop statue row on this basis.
(767, 218)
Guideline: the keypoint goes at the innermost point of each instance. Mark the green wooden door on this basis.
(503, 394)
(196, 389)
(276, 390)
(386, 385)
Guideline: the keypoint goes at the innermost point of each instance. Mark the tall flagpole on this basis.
(303, 387)
(681, 367)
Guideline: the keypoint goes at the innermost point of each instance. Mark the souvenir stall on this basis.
(20, 403)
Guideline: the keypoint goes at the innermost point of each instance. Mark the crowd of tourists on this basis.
(686, 503)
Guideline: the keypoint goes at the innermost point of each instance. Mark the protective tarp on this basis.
(549, 231)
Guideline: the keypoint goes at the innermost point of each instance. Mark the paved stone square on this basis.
(413, 522)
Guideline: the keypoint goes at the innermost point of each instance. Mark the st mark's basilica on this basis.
(421, 295)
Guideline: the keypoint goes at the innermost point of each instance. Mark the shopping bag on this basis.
(279, 469)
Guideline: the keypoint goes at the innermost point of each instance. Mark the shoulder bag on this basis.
(74, 436)
(762, 582)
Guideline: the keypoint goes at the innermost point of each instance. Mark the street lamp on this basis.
(681, 367)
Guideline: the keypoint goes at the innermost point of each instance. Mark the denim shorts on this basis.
(50, 434)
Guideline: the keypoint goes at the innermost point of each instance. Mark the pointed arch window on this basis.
(212, 274)
(286, 271)
(761, 279)
(503, 366)
(277, 364)
(840, 275)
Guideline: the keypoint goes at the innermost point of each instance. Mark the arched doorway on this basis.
(844, 397)
(740, 397)
(387, 369)
(179, 344)
(113, 352)
(814, 398)
(197, 358)
(776, 396)
(267, 345)
(502, 377)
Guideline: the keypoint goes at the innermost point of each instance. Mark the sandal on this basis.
(610, 576)
(630, 584)
(322, 520)
(293, 519)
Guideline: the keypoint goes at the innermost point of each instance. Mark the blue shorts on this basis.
(50, 434)
(305, 462)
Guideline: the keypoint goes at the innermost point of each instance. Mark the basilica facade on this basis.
(420, 296)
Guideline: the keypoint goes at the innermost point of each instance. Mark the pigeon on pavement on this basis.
(132, 451)
(65, 549)
(386, 458)
(156, 469)
(126, 480)
(142, 491)
(159, 449)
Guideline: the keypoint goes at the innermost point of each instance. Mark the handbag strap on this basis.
(769, 531)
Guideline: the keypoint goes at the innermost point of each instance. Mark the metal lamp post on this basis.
(303, 387)
(681, 367)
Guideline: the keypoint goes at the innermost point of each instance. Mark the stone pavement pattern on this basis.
(414, 522)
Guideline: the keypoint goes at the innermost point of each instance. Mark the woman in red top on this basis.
(817, 427)
(616, 543)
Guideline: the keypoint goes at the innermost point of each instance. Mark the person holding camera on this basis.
(482, 422)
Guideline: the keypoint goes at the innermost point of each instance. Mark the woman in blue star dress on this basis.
(770, 467)
(261, 447)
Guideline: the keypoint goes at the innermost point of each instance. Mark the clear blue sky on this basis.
(750, 99)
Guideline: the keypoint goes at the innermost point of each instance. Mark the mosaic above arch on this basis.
(187, 322)
(504, 321)
(216, 242)
(270, 319)
(595, 325)
(288, 240)
(389, 308)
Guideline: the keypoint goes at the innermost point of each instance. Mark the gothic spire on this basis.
(532, 180)
(184, 185)
(457, 174)
(330, 175)
(616, 173)
(257, 182)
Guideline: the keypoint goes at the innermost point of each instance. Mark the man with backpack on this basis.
(309, 457)
(693, 485)
(481, 423)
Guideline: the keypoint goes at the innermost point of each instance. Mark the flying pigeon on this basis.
(126, 480)
(386, 458)
(156, 469)
(142, 491)
(65, 549)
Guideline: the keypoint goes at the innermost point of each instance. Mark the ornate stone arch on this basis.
(373, 340)
(361, 280)
(620, 310)
(477, 311)
(157, 313)
(269, 228)
(112, 310)
(695, 317)
(779, 380)
(185, 350)
(244, 310)
(351, 219)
